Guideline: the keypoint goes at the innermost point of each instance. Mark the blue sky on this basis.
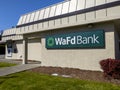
(11, 10)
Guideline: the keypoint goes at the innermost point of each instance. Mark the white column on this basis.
(24, 51)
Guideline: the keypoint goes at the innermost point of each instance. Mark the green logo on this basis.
(50, 41)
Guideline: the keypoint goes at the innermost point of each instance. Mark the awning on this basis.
(2, 42)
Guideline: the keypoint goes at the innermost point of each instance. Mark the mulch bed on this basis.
(76, 73)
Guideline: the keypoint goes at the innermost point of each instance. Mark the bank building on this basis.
(72, 33)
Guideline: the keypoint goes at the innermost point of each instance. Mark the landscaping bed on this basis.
(75, 73)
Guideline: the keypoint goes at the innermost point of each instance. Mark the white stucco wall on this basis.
(81, 58)
(34, 49)
(75, 58)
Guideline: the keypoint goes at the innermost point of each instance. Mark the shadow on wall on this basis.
(15, 50)
(2, 49)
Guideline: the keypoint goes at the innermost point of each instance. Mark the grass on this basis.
(35, 81)
(5, 64)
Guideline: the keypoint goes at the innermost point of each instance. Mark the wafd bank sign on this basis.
(90, 39)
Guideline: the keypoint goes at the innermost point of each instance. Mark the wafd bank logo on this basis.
(50, 42)
(93, 39)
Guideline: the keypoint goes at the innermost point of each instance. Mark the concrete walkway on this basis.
(18, 68)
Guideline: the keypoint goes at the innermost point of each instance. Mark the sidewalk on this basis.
(18, 68)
